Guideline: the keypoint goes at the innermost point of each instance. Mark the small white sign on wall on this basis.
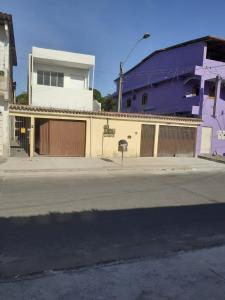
(221, 134)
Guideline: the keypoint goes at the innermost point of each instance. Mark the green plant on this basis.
(22, 98)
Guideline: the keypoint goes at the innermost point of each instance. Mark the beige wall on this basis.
(108, 145)
(125, 128)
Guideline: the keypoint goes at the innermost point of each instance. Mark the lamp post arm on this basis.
(145, 36)
(122, 63)
(131, 51)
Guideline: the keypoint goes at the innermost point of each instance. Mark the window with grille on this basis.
(50, 78)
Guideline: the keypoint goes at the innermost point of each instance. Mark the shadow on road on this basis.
(59, 241)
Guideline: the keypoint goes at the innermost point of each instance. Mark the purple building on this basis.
(183, 80)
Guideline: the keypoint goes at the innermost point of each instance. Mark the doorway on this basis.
(206, 140)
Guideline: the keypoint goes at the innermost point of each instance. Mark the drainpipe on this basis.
(217, 94)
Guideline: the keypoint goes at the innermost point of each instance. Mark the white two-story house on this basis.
(7, 95)
(59, 79)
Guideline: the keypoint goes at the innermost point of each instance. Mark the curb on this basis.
(104, 171)
(212, 159)
(51, 170)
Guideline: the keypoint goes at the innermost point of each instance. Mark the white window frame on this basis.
(50, 78)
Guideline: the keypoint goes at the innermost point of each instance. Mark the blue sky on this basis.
(108, 29)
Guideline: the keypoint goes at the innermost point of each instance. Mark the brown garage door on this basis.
(147, 140)
(176, 141)
(43, 136)
(62, 138)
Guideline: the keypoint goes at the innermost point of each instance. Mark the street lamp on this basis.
(122, 63)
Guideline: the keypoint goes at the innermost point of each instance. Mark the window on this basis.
(40, 77)
(134, 97)
(46, 78)
(128, 104)
(144, 99)
(53, 79)
(195, 90)
(50, 78)
(61, 79)
(212, 92)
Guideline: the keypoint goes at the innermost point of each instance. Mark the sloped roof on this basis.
(32, 109)
(8, 18)
(209, 39)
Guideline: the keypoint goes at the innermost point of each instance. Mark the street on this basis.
(64, 222)
(191, 275)
(112, 150)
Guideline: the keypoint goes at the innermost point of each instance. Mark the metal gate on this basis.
(147, 140)
(176, 141)
(20, 136)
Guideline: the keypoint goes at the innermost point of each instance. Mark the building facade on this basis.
(183, 80)
(60, 132)
(7, 95)
(61, 79)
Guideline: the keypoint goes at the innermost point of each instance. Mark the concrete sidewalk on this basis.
(104, 166)
(215, 158)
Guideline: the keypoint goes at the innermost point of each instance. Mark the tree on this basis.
(22, 98)
(97, 95)
(109, 103)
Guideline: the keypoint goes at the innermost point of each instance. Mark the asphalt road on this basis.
(67, 222)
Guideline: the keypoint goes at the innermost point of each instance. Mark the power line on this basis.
(177, 70)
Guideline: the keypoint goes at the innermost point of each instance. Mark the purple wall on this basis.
(216, 123)
(168, 97)
(165, 65)
(168, 76)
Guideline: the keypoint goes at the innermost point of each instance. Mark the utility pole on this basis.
(144, 37)
(120, 88)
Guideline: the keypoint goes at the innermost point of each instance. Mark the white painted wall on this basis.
(75, 94)
(4, 90)
(64, 58)
(4, 61)
(96, 106)
(1, 135)
(4, 48)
